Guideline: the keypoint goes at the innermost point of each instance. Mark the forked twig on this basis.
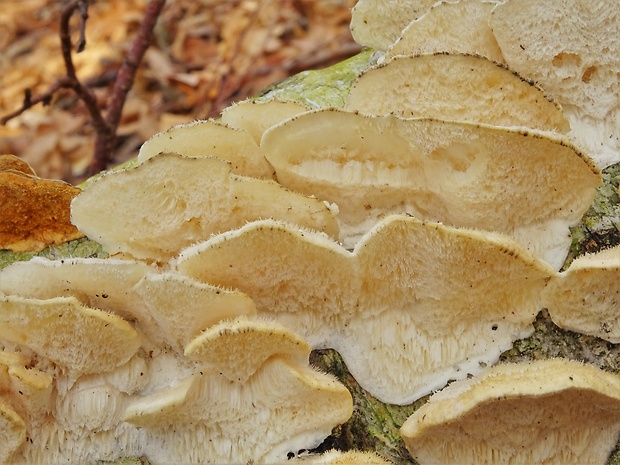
(105, 126)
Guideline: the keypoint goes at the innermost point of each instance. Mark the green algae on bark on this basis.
(79, 248)
(600, 225)
(323, 88)
(550, 341)
(374, 426)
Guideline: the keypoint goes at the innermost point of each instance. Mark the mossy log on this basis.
(374, 425)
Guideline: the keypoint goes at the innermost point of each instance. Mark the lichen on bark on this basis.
(79, 248)
(321, 88)
(600, 226)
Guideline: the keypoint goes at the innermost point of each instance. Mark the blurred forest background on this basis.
(206, 54)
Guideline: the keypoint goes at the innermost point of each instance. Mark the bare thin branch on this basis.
(30, 100)
(105, 127)
(127, 72)
(104, 144)
(65, 37)
(83, 7)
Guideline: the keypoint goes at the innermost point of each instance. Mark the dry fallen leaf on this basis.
(205, 55)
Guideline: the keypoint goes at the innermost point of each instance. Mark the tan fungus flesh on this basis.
(27, 389)
(450, 26)
(105, 284)
(169, 202)
(577, 65)
(462, 174)
(210, 138)
(12, 432)
(74, 337)
(454, 87)
(378, 23)
(549, 411)
(238, 348)
(586, 297)
(336, 457)
(292, 406)
(255, 117)
(183, 307)
(423, 333)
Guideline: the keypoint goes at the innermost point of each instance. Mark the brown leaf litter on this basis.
(206, 55)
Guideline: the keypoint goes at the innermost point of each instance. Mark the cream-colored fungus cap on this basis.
(76, 338)
(414, 305)
(586, 297)
(451, 26)
(553, 411)
(182, 308)
(237, 348)
(455, 87)
(168, 202)
(256, 116)
(577, 64)
(508, 180)
(378, 23)
(209, 138)
(12, 431)
(336, 457)
(283, 406)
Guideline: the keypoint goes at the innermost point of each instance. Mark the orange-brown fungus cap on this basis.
(13, 163)
(34, 212)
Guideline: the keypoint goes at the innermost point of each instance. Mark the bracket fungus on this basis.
(578, 64)
(282, 408)
(553, 411)
(78, 339)
(34, 212)
(450, 26)
(237, 348)
(210, 138)
(25, 396)
(586, 297)
(462, 174)
(27, 389)
(91, 387)
(255, 117)
(166, 308)
(12, 431)
(106, 284)
(335, 457)
(169, 202)
(269, 388)
(378, 23)
(137, 292)
(182, 308)
(455, 87)
(15, 164)
(189, 355)
(423, 335)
